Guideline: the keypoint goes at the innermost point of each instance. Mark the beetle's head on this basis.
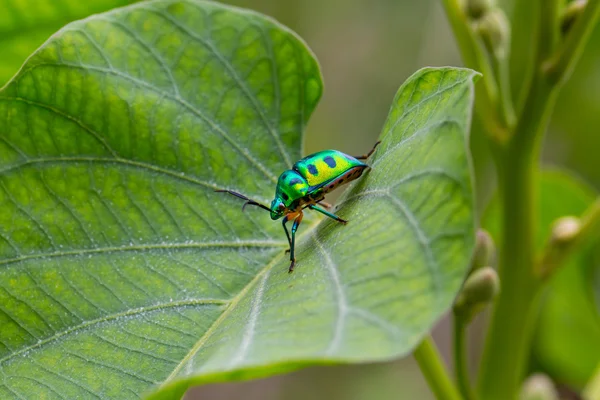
(278, 209)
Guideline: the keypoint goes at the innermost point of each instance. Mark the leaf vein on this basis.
(233, 73)
(184, 103)
(112, 317)
(142, 247)
(230, 307)
(340, 296)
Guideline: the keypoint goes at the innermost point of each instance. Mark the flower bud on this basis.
(538, 387)
(494, 30)
(480, 288)
(477, 8)
(565, 230)
(484, 250)
(570, 14)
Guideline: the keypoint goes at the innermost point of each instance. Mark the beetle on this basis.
(305, 186)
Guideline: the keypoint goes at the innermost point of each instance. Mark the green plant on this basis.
(515, 122)
(123, 274)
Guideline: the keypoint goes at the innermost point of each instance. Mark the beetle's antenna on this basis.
(365, 156)
(248, 201)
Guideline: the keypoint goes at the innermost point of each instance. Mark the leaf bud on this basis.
(480, 288)
(494, 30)
(570, 14)
(477, 8)
(485, 250)
(538, 387)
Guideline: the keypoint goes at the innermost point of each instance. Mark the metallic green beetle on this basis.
(306, 184)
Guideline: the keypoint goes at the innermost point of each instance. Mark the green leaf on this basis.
(121, 268)
(26, 24)
(566, 342)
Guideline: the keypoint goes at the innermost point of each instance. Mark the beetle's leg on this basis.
(248, 201)
(325, 204)
(292, 247)
(327, 213)
(365, 156)
(283, 221)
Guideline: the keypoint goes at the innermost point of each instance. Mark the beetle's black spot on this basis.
(285, 196)
(295, 181)
(330, 161)
(312, 169)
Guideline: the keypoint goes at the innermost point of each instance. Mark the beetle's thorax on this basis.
(291, 186)
(279, 208)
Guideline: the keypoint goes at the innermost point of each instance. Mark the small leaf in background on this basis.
(566, 342)
(120, 267)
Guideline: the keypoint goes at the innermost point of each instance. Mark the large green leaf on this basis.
(26, 24)
(566, 343)
(121, 269)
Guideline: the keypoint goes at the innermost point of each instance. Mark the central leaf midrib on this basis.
(310, 229)
(229, 309)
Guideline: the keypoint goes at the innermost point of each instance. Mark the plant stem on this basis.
(509, 335)
(590, 220)
(509, 332)
(549, 28)
(460, 358)
(434, 371)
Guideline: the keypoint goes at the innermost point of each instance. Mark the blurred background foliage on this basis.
(366, 50)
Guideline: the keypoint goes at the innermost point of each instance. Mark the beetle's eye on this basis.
(280, 207)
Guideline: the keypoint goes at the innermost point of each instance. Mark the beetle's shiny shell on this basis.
(317, 174)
